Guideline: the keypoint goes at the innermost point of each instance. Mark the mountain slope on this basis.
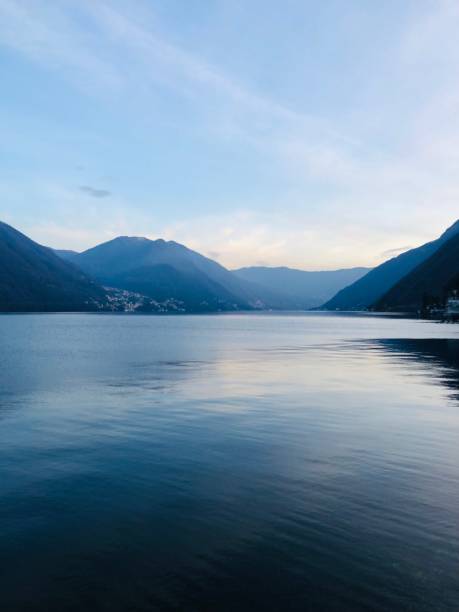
(429, 283)
(66, 254)
(34, 278)
(161, 270)
(301, 289)
(369, 289)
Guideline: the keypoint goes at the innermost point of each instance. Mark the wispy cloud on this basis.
(394, 252)
(94, 192)
(346, 184)
(47, 34)
(120, 53)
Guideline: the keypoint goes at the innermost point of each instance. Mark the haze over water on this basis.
(237, 462)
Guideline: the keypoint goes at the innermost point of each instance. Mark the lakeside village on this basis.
(449, 313)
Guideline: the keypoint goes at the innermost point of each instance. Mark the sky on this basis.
(317, 135)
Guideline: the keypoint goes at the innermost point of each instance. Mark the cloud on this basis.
(105, 48)
(236, 239)
(95, 193)
(394, 252)
(63, 217)
(244, 238)
(48, 35)
(346, 185)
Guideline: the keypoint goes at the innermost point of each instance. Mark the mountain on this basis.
(428, 284)
(34, 278)
(165, 269)
(369, 289)
(65, 253)
(301, 289)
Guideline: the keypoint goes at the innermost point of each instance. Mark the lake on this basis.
(232, 462)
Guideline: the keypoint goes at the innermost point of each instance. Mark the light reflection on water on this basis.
(228, 463)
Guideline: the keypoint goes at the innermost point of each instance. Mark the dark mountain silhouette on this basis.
(34, 278)
(301, 289)
(370, 289)
(453, 285)
(428, 284)
(165, 269)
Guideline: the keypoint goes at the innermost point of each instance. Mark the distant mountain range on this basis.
(132, 274)
(368, 291)
(141, 275)
(301, 290)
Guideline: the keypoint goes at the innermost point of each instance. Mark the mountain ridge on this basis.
(34, 278)
(134, 273)
(429, 283)
(303, 289)
(140, 264)
(370, 288)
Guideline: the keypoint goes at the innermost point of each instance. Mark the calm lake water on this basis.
(239, 462)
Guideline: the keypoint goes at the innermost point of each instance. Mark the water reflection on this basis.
(440, 357)
(228, 463)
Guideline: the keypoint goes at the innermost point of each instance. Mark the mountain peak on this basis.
(131, 239)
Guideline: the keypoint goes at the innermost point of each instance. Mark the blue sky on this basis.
(312, 134)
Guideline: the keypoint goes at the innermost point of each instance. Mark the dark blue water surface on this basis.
(241, 462)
